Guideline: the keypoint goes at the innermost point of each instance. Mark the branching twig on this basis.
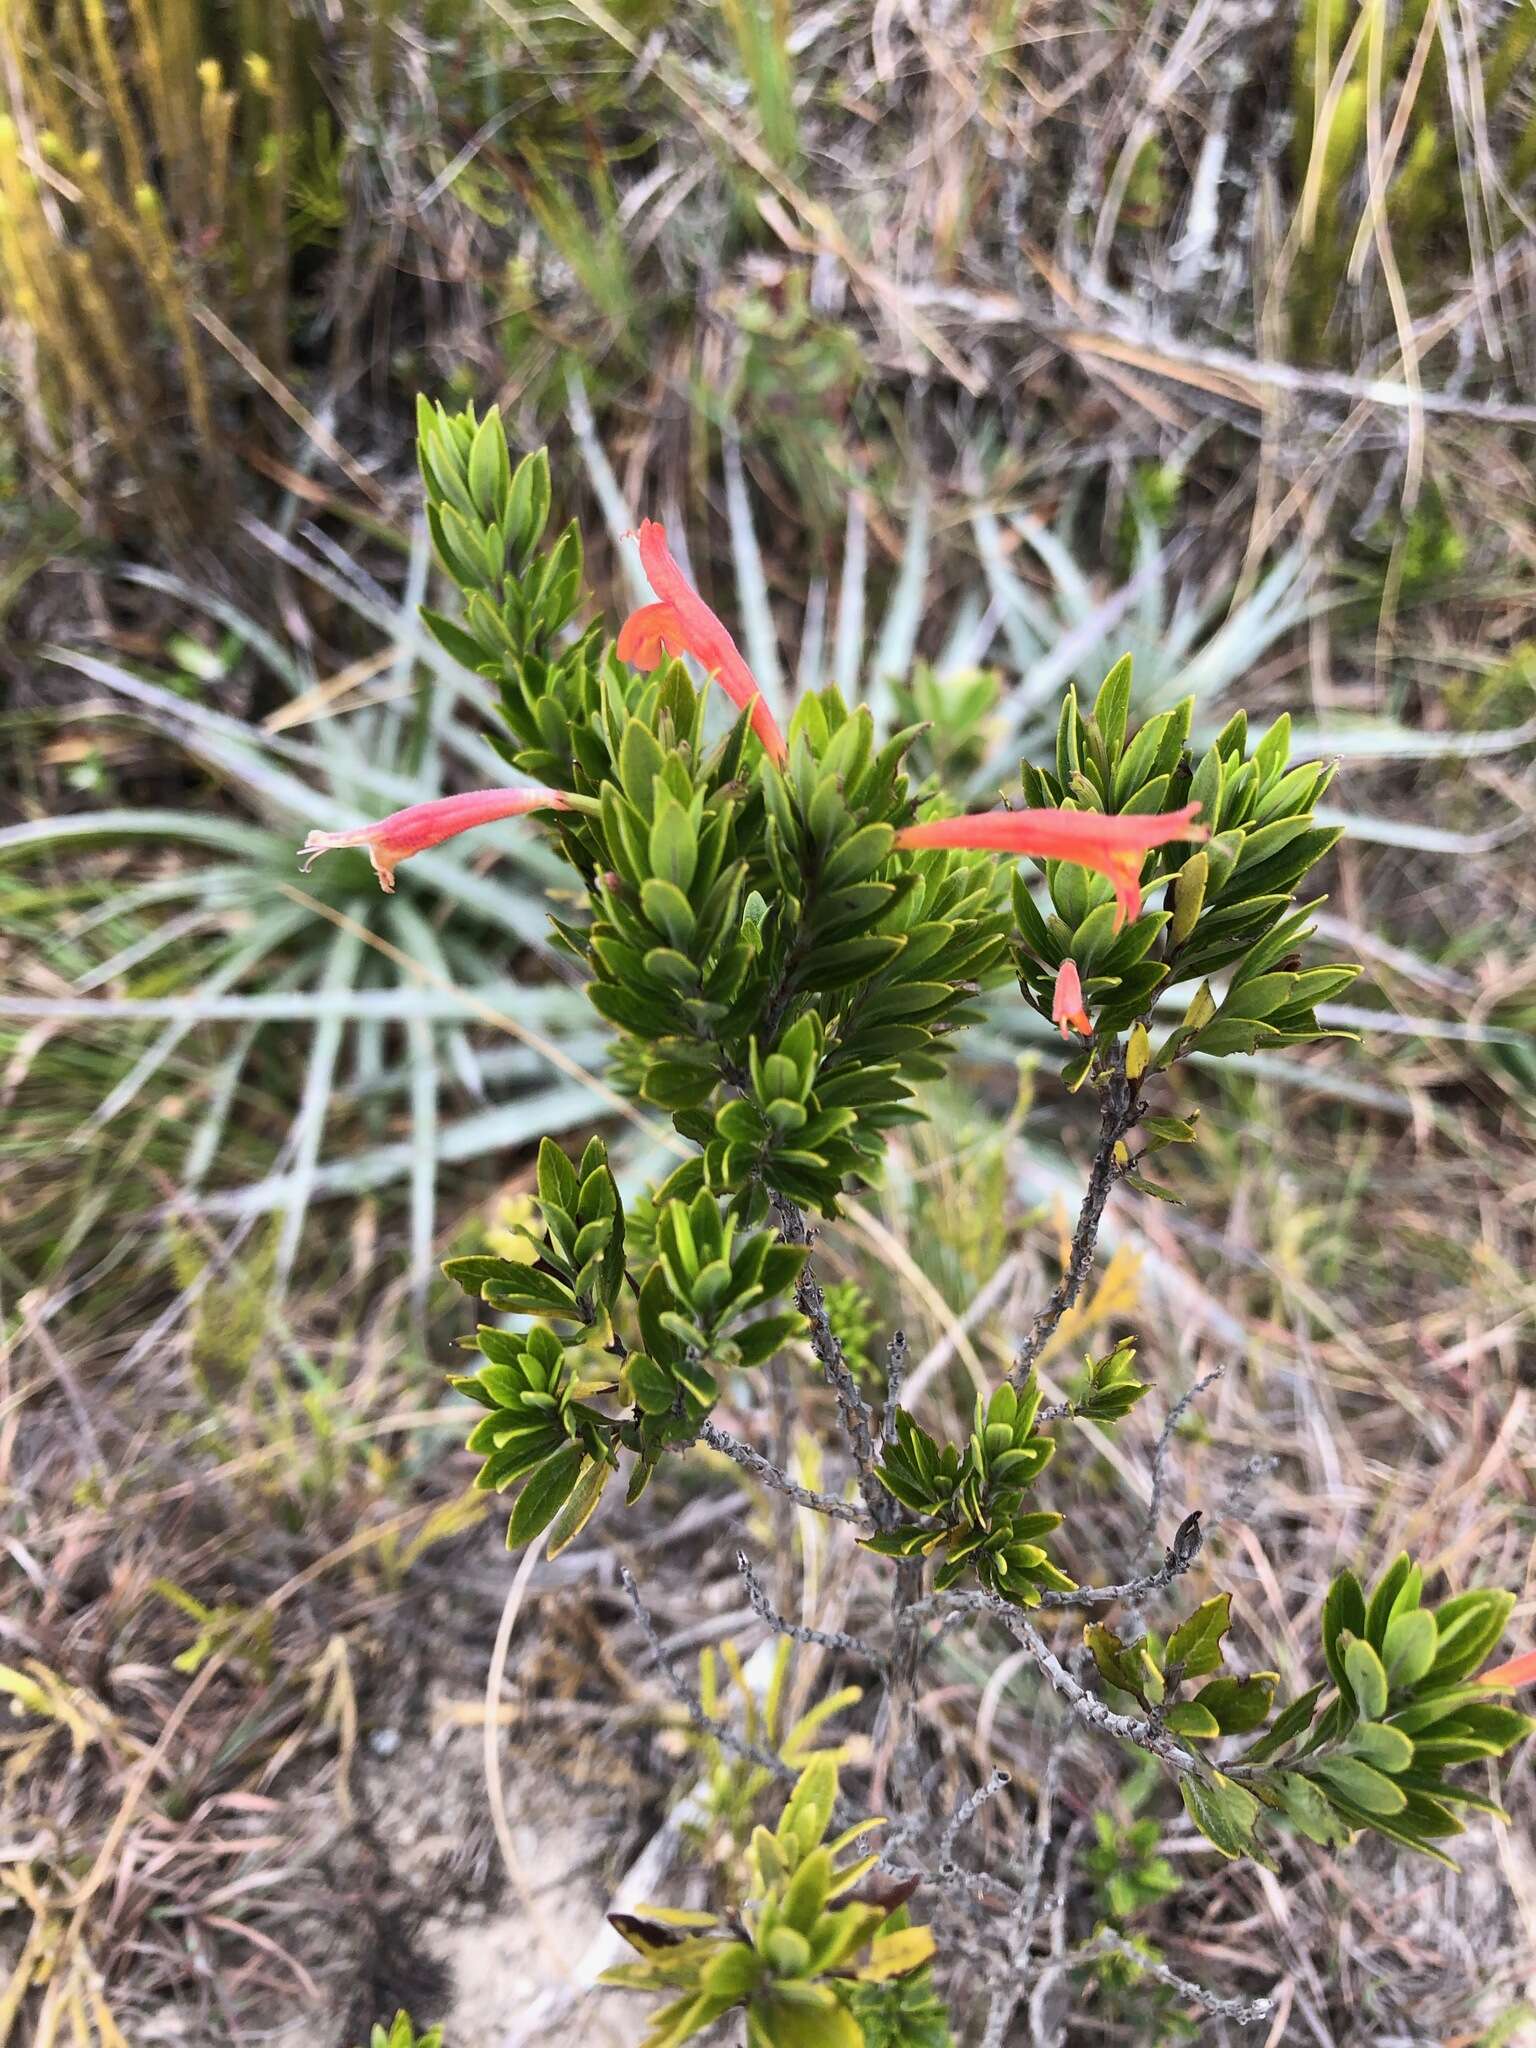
(966, 1812)
(895, 1372)
(852, 1406)
(1120, 1110)
(1086, 1705)
(764, 1470)
(705, 1723)
(884, 1510)
(1045, 2028)
(1243, 2012)
(1175, 1563)
(1026, 1911)
(1160, 1452)
(825, 1638)
(982, 1887)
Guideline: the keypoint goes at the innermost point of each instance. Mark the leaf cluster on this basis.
(819, 1955)
(1404, 1711)
(1228, 905)
(579, 1265)
(487, 520)
(1157, 1674)
(736, 916)
(734, 1782)
(1124, 1863)
(402, 2034)
(786, 976)
(972, 1499)
(633, 1373)
(1109, 1388)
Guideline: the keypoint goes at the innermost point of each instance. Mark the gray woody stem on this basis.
(1087, 1706)
(1120, 1110)
(705, 1723)
(1243, 2012)
(764, 1470)
(852, 1406)
(824, 1638)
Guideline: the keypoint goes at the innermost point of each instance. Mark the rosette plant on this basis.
(789, 936)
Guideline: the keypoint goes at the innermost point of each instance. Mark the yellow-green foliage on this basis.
(404, 2035)
(145, 166)
(760, 31)
(820, 1954)
(1357, 67)
(734, 1785)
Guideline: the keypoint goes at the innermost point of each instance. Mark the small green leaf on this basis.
(1343, 1608)
(1381, 1745)
(558, 1184)
(1408, 1647)
(1188, 898)
(1367, 1677)
(473, 1272)
(1195, 1645)
(809, 1807)
(1222, 1810)
(1307, 1808)
(1111, 708)
(541, 1499)
(674, 850)
(1291, 1722)
(1239, 1705)
(1361, 1785)
(1189, 1717)
(489, 472)
(1469, 1627)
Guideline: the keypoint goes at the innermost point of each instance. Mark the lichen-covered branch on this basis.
(768, 1474)
(1176, 1561)
(824, 1638)
(858, 1425)
(1120, 1110)
(705, 1723)
(1243, 2012)
(1086, 1705)
(966, 1812)
(896, 1362)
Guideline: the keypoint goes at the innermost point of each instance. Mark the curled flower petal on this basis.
(650, 634)
(1067, 1002)
(682, 623)
(1112, 846)
(418, 826)
(1518, 1671)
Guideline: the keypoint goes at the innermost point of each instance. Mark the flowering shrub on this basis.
(789, 938)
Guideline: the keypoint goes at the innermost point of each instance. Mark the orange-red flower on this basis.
(1111, 846)
(418, 826)
(1067, 1002)
(682, 623)
(1518, 1671)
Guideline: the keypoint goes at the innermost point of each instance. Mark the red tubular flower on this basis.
(682, 623)
(1112, 846)
(1067, 1003)
(1518, 1671)
(418, 826)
